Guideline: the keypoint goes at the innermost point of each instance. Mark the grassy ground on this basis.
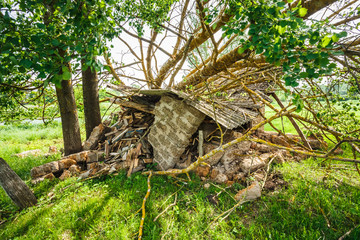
(321, 201)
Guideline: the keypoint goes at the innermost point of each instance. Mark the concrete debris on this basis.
(214, 159)
(35, 152)
(250, 193)
(203, 171)
(251, 164)
(49, 176)
(175, 122)
(221, 178)
(64, 175)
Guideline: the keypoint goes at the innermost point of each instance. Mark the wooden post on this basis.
(17, 190)
(201, 142)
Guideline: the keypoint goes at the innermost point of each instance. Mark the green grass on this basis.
(317, 194)
(284, 124)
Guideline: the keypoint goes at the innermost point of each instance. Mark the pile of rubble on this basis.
(122, 145)
(161, 129)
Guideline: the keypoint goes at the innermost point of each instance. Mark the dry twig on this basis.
(167, 208)
(143, 207)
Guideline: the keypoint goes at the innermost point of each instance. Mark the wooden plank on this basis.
(129, 104)
(201, 142)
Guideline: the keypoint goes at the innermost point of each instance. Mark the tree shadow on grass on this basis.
(86, 217)
(24, 221)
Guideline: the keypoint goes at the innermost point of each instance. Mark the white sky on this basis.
(121, 54)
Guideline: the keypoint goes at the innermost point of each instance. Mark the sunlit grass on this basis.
(105, 209)
(321, 201)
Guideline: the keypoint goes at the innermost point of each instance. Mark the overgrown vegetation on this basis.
(321, 200)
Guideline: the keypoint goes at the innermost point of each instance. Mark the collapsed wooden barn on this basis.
(178, 116)
(171, 129)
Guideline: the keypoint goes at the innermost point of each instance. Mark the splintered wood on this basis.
(123, 145)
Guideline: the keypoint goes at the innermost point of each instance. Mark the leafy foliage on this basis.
(283, 37)
(44, 42)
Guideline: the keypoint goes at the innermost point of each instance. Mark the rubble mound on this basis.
(124, 145)
(167, 131)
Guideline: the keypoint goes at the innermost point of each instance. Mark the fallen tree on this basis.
(15, 188)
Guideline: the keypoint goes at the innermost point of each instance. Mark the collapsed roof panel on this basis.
(230, 114)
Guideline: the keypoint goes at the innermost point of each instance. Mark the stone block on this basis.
(250, 193)
(203, 170)
(66, 163)
(214, 159)
(251, 164)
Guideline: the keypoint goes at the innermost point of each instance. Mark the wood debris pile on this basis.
(123, 145)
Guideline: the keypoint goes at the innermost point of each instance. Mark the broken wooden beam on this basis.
(142, 107)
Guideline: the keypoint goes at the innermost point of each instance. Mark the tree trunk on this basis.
(17, 190)
(91, 99)
(69, 118)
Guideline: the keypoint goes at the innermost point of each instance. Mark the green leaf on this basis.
(13, 59)
(26, 63)
(303, 75)
(335, 38)
(66, 73)
(325, 41)
(281, 4)
(241, 50)
(298, 102)
(107, 68)
(337, 53)
(281, 29)
(55, 42)
(302, 12)
(41, 75)
(289, 81)
(311, 56)
(57, 80)
(342, 34)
